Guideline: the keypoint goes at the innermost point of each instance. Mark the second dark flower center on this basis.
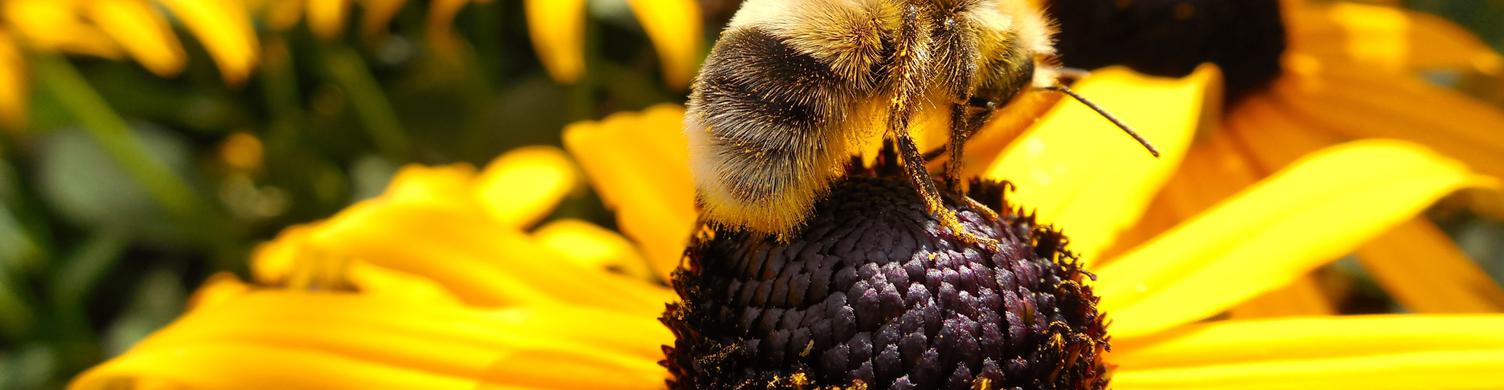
(1171, 37)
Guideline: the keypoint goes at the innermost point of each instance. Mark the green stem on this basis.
(371, 105)
(16, 316)
(76, 277)
(280, 84)
(59, 78)
(82, 270)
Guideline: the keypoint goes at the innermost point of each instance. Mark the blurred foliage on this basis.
(1486, 19)
(92, 258)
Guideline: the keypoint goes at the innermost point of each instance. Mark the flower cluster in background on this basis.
(150, 144)
(389, 193)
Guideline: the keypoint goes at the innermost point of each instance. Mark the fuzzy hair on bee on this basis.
(793, 88)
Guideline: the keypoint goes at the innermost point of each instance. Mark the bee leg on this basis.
(964, 124)
(961, 128)
(913, 164)
(911, 38)
(980, 208)
(957, 144)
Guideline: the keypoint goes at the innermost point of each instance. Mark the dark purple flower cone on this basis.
(873, 293)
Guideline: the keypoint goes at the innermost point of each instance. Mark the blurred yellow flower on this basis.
(436, 283)
(13, 88)
(226, 29)
(106, 28)
(557, 28)
(1350, 71)
(112, 28)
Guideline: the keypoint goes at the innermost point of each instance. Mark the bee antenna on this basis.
(1066, 90)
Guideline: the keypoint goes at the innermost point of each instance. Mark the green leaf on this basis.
(30, 367)
(77, 275)
(84, 183)
(159, 299)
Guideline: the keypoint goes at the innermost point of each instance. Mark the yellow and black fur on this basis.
(795, 87)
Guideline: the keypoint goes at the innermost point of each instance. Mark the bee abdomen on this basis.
(764, 128)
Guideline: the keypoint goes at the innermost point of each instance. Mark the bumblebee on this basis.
(793, 88)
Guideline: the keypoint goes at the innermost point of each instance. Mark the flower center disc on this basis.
(1171, 37)
(873, 293)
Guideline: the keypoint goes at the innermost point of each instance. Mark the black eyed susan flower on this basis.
(557, 28)
(362, 300)
(674, 26)
(874, 292)
(428, 286)
(1301, 76)
(143, 30)
(114, 29)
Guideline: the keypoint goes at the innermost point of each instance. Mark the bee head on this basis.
(1014, 50)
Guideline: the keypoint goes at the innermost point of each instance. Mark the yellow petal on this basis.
(1223, 342)
(273, 261)
(1423, 270)
(284, 311)
(318, 340)
(1416, 370)
(592, 246)
(1389, 39)
(571, 370)
(237, 365)
(558, 31)
(440, 185)
(1353, 101)
(1302, 297)
(675, 28)
(374, 280)
(292, 261)
(479, 261)
(639, 163)
(1063, 165)
(523, 185)
(1214, 169)
(441, 25)
(220, 287)
(224, 28)
(13, 85)
(1159, 217)
(375, 14)
(985, 147)
(1364, 352)
(279, 15)
(54, 25)
(1270, 135)
(142, 32)
(326, 18)
(1313, 212)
